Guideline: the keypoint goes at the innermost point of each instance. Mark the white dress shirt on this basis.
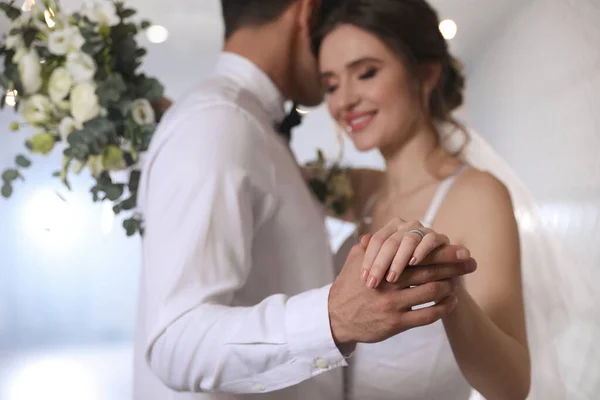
(236, 262)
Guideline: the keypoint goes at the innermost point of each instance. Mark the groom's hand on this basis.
(361, 314)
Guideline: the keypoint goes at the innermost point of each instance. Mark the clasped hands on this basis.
(401, 266)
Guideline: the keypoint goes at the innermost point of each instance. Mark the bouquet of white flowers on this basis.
(74, 79)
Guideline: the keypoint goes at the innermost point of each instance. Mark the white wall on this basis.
(534, 94)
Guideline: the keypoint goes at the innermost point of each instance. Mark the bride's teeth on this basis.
(361, 119)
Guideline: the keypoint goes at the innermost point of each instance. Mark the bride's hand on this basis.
(400, 244)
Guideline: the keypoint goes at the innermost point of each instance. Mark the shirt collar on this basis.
(250, 77)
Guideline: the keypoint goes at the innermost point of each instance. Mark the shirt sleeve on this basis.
(205, 197)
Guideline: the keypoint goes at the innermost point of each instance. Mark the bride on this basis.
(392, 85)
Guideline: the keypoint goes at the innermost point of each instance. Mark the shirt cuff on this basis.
(309, 330)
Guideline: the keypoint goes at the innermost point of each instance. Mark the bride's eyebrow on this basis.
(365, 60)
(353, 65)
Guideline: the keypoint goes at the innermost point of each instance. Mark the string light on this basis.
(157, 34)
(28, 5)
(11, 98)
(448, 28)
(49, 17)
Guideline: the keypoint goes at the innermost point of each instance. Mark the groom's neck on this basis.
(267, 47)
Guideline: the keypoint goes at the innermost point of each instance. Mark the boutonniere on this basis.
(331, 184)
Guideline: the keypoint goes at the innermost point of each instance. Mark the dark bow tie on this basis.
(292, 120)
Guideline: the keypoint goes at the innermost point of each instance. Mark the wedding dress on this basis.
(419, 364)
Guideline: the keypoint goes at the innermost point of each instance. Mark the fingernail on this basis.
(372, 282)
(471, 266)
(412, 261)
(363, 274)
(463, 254)
(391, 278)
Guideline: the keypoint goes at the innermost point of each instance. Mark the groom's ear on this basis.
(309, 15)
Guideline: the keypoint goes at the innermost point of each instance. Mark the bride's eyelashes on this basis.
(370, 73)
(330, 89)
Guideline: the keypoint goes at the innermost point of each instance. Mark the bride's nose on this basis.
(347, 98)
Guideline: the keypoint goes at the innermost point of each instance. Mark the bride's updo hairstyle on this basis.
(411, 29)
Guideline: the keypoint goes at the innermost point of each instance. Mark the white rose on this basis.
(102, 13)
(81, 66)
(66, 126)
(142, 112)
(63, 41)
(37, 110)
(77, 40)
(59, 84)
(58, 42)
(84, 102)
(30, 71)
(14, 42)
(64, 105)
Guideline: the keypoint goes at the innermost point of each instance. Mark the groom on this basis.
(236, 295)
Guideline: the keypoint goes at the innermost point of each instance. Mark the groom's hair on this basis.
(242, 13)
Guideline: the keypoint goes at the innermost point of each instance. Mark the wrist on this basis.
(340, 335)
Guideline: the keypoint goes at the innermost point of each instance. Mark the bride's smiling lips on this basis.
(359, 120)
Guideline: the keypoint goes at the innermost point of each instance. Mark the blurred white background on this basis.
(68, 275)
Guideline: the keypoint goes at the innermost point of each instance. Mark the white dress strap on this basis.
(367, 209)
(439, 197)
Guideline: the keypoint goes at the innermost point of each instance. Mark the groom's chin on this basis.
(310, 99)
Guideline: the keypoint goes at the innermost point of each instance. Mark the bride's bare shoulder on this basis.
(481, 185)
(478, 196)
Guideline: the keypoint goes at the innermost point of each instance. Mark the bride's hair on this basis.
(411, 29)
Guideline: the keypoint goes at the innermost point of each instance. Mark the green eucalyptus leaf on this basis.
(126, 205)
(10, 11)
(7, 190)
(10, 175)
(151, 89)
(110, 90)
(22, 161)
(114, 192)
(15, 31)
(29, 35)
(132, 226)
(4, 82)
(127, 13)
(92, 139)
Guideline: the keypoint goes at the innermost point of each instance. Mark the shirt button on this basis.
(259, 386)
(321, 364)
